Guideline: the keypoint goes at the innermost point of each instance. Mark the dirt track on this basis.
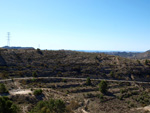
(71, 78)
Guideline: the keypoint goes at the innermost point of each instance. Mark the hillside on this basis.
(21, 63)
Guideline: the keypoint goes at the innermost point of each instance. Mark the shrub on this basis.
(33, 80)
(7, 106)
(88, 81)
(131, 105)
(3, 88)
(120, 97)
(34, 74)
(90, 95)
(51, 106)
(64, 80)
(37, 92)
(103, 86)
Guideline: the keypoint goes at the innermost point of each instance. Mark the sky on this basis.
(117, 25)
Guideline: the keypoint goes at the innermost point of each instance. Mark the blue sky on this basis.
(76, 24)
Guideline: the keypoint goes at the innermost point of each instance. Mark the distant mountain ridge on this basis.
(13, 47)
(145, 55)
(125, 54)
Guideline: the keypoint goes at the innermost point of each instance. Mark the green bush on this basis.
(7, 106)
(51, 106)
(37, 92)
(3, 89)
(103, 86)
(88, 81)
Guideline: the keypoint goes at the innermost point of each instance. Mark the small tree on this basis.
(88, 81)
(103, 86)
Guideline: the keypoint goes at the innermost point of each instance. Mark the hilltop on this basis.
(21, 63)
(13, 47)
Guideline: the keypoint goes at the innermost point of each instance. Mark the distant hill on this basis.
(145, 55)
(125, 54)
(7, 47)
(131, 55)
(20, 63)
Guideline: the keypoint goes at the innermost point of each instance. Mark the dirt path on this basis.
(26, 78)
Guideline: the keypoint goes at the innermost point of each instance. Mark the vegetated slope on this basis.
(20, 63)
